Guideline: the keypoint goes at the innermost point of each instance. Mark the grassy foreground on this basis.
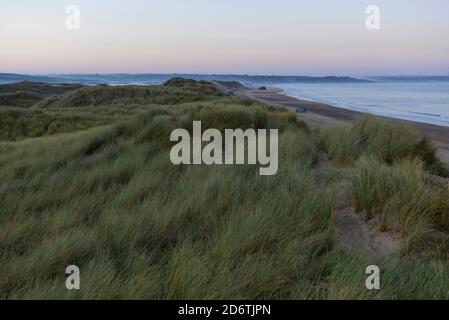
(108, 199)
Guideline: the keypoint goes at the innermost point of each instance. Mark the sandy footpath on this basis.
(320, 114)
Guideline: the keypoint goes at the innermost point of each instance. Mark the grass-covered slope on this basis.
(90, 106)
(172, 92)
(25, 94)
(19, 99)
(110, 201)
(380, 139)
(43, 89)
(18, 123)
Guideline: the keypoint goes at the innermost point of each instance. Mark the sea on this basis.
(416, 98)
(420, 101)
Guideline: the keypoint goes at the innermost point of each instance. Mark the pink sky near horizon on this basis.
(256, 37)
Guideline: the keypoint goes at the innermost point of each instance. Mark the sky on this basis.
(282, 37)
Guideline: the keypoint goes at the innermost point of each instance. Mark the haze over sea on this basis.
(416, 98)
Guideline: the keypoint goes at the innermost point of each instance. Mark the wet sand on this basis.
(320, 114)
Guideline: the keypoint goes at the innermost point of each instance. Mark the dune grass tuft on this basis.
(379, 138)
(402, 196)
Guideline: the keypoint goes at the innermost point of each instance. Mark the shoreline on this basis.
(321, 114)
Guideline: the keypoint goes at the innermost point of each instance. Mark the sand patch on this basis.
(355, 235)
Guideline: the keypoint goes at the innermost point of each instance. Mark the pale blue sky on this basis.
(225, 36)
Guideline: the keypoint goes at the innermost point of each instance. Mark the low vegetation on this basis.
(174, 91)
(108, 199)
(80, 107)
(380, 139)
(19, 99)
(403, 196)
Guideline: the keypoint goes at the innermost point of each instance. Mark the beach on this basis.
(320, 114)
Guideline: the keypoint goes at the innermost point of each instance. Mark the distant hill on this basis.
(412, 78)
(12, 78)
